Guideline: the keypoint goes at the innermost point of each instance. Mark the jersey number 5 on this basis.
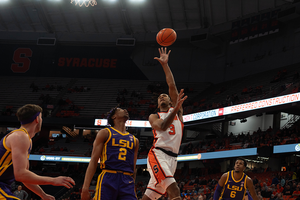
(172, 130)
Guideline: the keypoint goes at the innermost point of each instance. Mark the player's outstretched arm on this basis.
(92, 167)
(19, 144)
(164, 124)
(251, 188)
(163, 59)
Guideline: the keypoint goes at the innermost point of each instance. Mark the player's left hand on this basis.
(164, 56)
(65, 181)
(180, 99)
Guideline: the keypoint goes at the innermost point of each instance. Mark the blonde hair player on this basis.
(14, 154)
(167, 128)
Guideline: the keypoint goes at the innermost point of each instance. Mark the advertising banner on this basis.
(68, 61)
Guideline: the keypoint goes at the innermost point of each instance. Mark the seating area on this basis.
(20, 91)
(88, 98)
(258, 86)
(92, 98)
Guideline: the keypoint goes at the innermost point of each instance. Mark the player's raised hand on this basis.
(67, 182)
(180, 99)
(164, 56)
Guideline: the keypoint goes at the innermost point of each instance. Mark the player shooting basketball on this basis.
(167, 125)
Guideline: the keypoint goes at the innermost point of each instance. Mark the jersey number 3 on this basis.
(172, 130)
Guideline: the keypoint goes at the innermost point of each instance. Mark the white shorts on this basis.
(162, 168)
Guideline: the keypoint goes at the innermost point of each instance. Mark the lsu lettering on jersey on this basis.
(6, 167)
(118, 151)
(171, 138)
(234, 189)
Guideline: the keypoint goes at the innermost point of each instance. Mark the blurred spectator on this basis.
(21, 194)
(287, 190)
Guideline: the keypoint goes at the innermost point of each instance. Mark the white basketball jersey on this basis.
(171, 138)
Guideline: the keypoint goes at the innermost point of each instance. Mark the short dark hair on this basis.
(110, 114)
(243, 159)
(28, 111)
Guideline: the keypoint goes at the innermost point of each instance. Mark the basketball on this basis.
(166, 37)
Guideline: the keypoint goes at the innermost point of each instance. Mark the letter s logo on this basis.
(21, 57)
(155, 168)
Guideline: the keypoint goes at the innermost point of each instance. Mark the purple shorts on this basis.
(115, 186)
(5, 192)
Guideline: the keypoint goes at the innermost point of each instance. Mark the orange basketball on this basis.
(166, 37)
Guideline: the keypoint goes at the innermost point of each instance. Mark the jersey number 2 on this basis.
(122, 154)
(172, 130)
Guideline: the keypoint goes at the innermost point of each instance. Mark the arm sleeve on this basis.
(218, 191)
(249, 196)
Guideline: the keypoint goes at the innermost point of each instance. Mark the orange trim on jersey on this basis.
(154, 132)
(182, 126)
(155, 139)
(181, 121)
(164, 111)
(175, 118)
(160, 174)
